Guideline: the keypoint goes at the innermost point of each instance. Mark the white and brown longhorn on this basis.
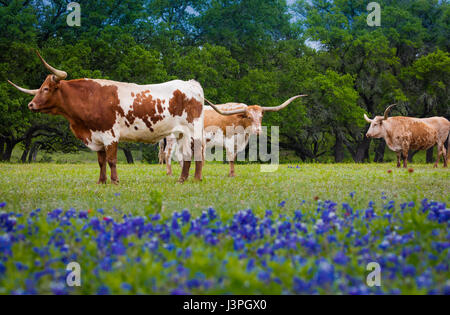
(242, 118)
(405, 133)
(101, 113)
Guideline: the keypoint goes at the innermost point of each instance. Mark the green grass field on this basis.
(51, 186)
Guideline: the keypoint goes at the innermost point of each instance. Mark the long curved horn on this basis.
(225, 113)
(31, 92)
(59, 74)
(278, 108)
(368, 119)
(387, 111)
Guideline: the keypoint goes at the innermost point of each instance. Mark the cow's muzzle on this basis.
(32, 107)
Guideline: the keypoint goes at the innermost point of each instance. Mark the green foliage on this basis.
(214, 67)
(150, 154)
(428, 81)
(251, 51)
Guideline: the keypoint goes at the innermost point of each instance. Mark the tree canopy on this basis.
(250, 51)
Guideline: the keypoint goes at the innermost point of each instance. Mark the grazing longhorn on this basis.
(218, 118)
(101, 113)
(405, 133)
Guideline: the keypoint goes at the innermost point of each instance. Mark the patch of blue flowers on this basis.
(322, 247)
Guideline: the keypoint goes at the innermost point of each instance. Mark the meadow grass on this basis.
(50, 186)
(323, 247)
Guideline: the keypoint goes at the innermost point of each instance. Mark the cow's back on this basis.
(441, 125)
(148, 113)
(419, 134)
(214, 120)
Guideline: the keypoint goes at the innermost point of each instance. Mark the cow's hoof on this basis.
(169, 174)
(232, 175)
(181, 180)
(198, 179)
(115, 182)
(101, 182)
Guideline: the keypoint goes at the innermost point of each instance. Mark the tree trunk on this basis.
(379, 151)
(26, 150)
(2, 148)
(430, 158)
(339, 148)
(362, 150)
(33, 152)
(8, 150)
(129, 156)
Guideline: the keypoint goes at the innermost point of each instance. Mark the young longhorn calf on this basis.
(404, 133)
(244, 119)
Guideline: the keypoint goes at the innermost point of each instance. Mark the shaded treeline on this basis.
(251, 51)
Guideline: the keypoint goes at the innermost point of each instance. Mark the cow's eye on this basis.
(46, 89)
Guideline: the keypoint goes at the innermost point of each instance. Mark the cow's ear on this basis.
(243, 115)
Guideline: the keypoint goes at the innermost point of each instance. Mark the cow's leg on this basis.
(186, 151)
(111, 157)
(185, 171)
(168, 158)
(405, 156)
(232, 173)
(168, 165)
(170, 147)
(101, 155)
(444, 154)
(439, 152)
(161, 152)
(198, 149)
(199, 158)
(399, 157)
(230, 153)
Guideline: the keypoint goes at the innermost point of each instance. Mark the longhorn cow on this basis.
(101, 113)
(405, 133)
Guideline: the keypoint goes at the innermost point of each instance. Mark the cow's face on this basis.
(377, 128)
(253, 116)
(46, 99)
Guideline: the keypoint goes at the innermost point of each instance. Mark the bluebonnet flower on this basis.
(409, 270)
(341, 259)
(325, 273)
(185, 216)
(193, 283)
(2, 268)
(156, 217)
(260, 244)
(103, 290)
(212, 214)
(300, 286)
(126, 286)
(178, 291)
(264, 276)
